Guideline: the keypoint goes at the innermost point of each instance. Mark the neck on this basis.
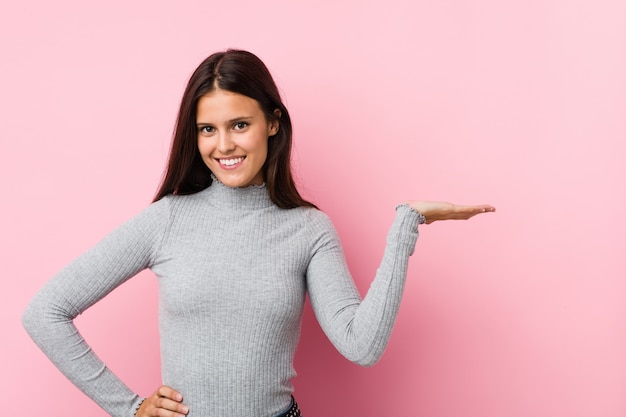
(251, 197)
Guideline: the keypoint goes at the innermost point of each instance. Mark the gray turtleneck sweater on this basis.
(233, 270)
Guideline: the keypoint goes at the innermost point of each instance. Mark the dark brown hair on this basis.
(244, 73)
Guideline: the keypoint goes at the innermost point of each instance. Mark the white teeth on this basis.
(230, 162)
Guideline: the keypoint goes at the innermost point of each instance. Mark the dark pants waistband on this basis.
(293, 411)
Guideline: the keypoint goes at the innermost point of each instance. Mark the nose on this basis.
(225, 144)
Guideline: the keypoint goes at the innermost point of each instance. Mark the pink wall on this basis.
(519, 104)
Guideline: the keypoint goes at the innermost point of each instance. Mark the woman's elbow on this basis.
(365, 359)
(30, 319)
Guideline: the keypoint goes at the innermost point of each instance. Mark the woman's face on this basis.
(232, 137)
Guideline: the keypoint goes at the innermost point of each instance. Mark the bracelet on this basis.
(139, 406)
(420, 217)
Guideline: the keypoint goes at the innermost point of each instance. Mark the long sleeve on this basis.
(360, 329)
(49, 316)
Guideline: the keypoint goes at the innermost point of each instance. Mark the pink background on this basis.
(520, 104)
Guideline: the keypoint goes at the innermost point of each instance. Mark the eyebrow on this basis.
(236, 119)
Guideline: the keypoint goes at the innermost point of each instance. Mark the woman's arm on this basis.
(49, 316)
(360, 329)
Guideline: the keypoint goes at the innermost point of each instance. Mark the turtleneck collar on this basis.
(252, 197)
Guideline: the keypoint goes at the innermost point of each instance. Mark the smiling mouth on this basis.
(229, 162)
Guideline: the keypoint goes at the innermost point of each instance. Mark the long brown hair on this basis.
(244, 73)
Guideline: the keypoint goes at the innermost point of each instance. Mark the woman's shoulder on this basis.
(315, 218)
(154, 213)
(173, 202)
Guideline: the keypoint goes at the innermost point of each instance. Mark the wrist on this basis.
(421, 219)
(139, 406)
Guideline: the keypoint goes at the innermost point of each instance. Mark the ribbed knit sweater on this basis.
(233, 270)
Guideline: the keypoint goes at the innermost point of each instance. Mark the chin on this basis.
(229, 181)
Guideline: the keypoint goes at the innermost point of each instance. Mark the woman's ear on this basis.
(275, 123)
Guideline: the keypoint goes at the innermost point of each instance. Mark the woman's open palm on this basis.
(435, 210)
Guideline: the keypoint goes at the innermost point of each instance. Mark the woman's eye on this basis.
(240, 125)
(206, 129)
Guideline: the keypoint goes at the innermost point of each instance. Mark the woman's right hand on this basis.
(165, 402)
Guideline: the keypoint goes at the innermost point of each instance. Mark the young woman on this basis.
(235, 249)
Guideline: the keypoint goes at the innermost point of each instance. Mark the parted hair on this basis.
(244, 73)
